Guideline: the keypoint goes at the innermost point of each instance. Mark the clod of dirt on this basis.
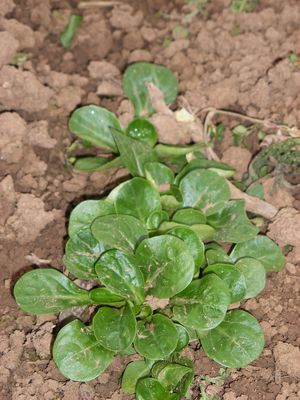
(169, 130)
(103, 70)
(11, 126)
(124, 18)
(33, 165)
(8, 48)
(42, 340)
(140, 55)
(6, 7)
(23, 33)
(287, 358)
(39, 136)
(277, 194)
(75, 184)
(29, 219)
(238, 158)
(12, 358)
(93, 39)
(7, 198)
(69, 97)
(109, 89)
(285, 228)
(71, 391)
(17, 86)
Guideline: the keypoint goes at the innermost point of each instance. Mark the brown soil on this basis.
(238, 62)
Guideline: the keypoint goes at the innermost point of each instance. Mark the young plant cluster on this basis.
(153, 250)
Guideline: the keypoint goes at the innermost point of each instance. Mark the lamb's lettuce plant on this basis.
(153, 249)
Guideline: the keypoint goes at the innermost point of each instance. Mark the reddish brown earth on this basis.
(238, 62)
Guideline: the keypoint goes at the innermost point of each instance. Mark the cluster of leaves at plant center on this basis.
(152, 249)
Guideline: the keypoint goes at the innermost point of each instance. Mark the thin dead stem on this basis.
(98, 3)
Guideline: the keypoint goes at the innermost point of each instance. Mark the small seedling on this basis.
(239, 6)
(294, 60)
(153, 251)
(239, 132)
(67, 36)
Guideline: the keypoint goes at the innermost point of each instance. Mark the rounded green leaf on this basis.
(85, 212)
(77, 353)
(203, 304)
(255, 275)
(133, 372)
(233, 278)
(193, 242)
(204, 190)
(171, 376)
(219, 168)
(261, 248)
(104, 296)
(48, 291)
(158, 174)
(135, 80)
(95, 124)
(183, 339)
(231, 223)
(120, 272)
(156, 218)
(236, 342)
(151, 389)
(114, 328)
(136, 197)
(118, 231)
(156, 339)
(205, 232)
(141, 129)
(81, 253)
(189, 216)
(216, 254)
(167, 265)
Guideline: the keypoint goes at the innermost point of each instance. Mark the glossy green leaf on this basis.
(204, 231)
(156, 218)
(48, 291)
(114, 328)
(134, 154)
(104, 296)
(216, 254)
(135, 80)
(204, 190)
(171, 375)
(85, 212)
(91, 164)
(117, 231)
(81, 253)
(261, 248)
(141, 129)
(151, 389)
(136, 197)
(120, 272)
(232, 276)
(77, 353)
(133, 372)
(171, 200)
(156, 339)
(167, 265)
(67, 35)
(194, 244)
(236, 342)
(203, 304)
(158, 173)
(255, 275)
(219, 168)
(186, 381)
(95, 124)
(189, 216)
(232, 224)
(175, 156)
(183, 339)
